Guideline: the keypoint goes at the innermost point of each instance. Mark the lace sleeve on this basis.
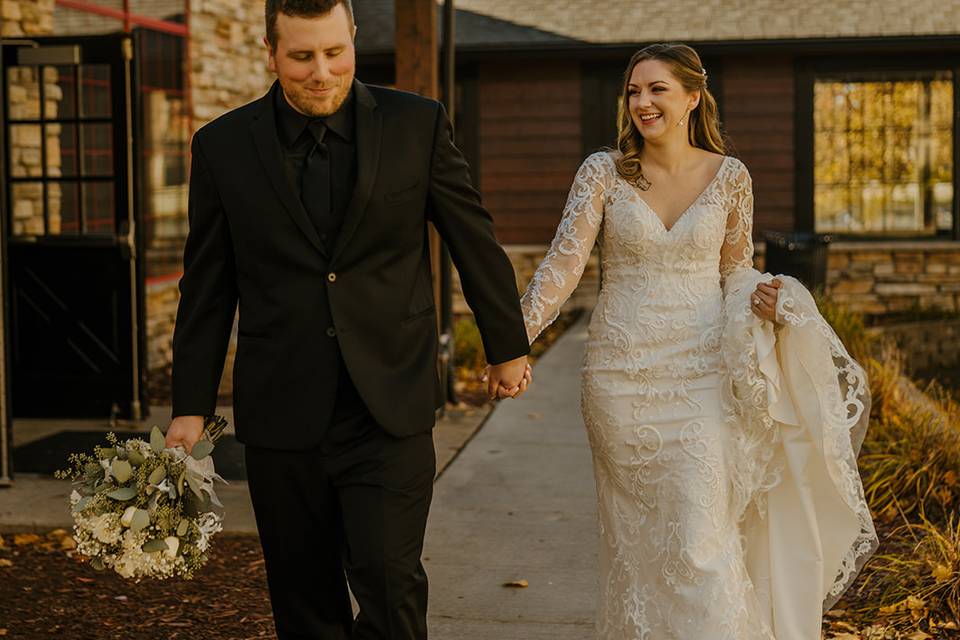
(561, 269)
(737, 249)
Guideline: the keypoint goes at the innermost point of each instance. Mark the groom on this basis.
(309, 206)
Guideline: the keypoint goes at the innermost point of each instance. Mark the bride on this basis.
(723, 413)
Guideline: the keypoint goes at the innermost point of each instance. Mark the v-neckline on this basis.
(700, 195)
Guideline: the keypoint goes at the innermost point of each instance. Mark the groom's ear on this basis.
(271, 59)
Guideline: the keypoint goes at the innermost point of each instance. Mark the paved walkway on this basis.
(519, 504)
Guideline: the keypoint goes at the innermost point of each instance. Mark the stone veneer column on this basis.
(228, 61)
(228, 68)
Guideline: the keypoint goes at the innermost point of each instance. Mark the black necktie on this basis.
(315, 187)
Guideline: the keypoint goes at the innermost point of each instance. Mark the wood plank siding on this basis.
(530, 146)
(758, 114)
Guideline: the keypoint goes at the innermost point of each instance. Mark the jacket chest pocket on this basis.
(404, 194)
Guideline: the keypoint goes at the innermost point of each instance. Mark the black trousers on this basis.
(353, 509)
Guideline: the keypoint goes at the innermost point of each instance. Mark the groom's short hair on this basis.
(299, 9)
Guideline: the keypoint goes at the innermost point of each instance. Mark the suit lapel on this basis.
(264, 130)
(369, 123)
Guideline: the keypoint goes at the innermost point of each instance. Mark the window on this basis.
(163, 135)
(883, 153)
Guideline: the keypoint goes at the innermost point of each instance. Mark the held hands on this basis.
(508, 379)
(763, 301)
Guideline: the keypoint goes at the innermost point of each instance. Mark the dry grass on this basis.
(910, 464)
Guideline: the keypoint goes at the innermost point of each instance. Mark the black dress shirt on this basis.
(296, 142)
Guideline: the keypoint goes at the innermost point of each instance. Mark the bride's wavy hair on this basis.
(704, 125)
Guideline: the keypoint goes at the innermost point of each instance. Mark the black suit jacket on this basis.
(369, 297)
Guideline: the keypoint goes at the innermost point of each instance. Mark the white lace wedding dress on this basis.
(724, 447)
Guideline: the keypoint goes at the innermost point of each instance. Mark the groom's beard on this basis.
(315, 106)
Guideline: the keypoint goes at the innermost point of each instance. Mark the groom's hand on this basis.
(184, 431)
(507, 379)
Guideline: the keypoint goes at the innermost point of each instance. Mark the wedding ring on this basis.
(756, 301)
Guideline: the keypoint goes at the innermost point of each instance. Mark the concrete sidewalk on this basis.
(519, 503)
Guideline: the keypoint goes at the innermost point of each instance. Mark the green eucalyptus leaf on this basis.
(202, 449)
(135, 457)
(92, 469)
(81, 504)
(157, 439)
(140, 520)
(180, 481)
(123, 494)
(108, 452)
(183, 527)
(121, 470)
(152, 546)
(158, 475)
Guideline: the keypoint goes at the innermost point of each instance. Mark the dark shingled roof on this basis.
(529, 23)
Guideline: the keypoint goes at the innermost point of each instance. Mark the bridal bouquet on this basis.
(143, 510)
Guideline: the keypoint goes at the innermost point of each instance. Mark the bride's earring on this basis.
(683, 119)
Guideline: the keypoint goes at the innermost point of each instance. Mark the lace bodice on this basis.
(708, 241)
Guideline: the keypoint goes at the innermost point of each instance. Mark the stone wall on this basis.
(228, 70)
(879, 278)
(26, 18)
(227, 55)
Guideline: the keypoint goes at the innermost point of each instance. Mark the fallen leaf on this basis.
(517, 584)
(918, 635)
(949, 625)
(68, 543)
(5, 563)
(23, 539)
(845, 636)
(836, 613)
(913, 602)
(3, 632)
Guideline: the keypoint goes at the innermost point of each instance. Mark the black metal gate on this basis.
(75, 297)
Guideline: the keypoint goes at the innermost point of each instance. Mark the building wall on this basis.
(19, 18)
(227, 57)
(878, 278)
(26, 18)
(758, 114)
(228, 68)
(529, 139)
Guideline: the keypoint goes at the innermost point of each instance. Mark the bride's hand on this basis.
(763, 301)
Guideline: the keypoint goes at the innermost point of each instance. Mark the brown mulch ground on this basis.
(44, 593)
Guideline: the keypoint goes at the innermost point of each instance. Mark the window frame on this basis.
(807, 72)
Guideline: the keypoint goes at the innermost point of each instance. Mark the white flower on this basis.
(74, 497)
(106, 528)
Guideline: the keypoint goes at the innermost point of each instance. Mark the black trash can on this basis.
(802, 255)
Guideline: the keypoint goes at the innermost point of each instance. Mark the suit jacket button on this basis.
(332, 277)
(331, 332)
